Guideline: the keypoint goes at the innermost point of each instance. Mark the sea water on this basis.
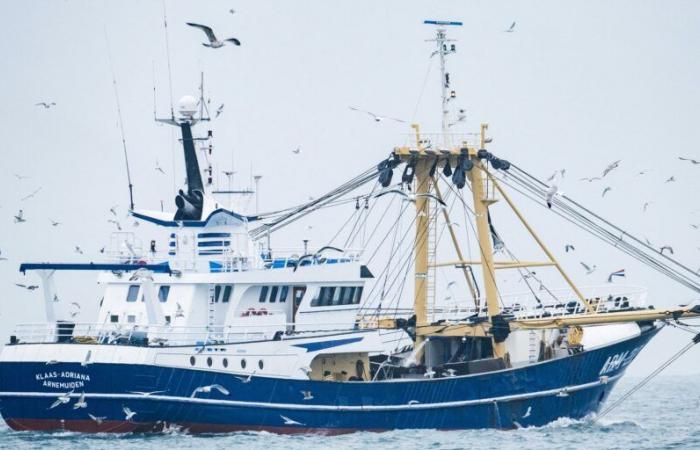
(665, 414)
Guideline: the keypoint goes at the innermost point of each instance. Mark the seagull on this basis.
(45, 104)
(429, 373)
(219, 110)
(51, 362)
(411, 198)
(55, 298)
(527, 413)
(102, 250)
(510, 29)
(694, 226)
(31, 287)
(141, 274)
(549, 195)
(179, 312)
(611, 167)
(617, 273)
(666, 247)
(87, 361)
(232, 11)
(61, 399)
(81, 403)
(288, 421)
(641, 172)
(19, 218)
(591, 179)
(247, 379)
(97, 420)
(693, 161)
(158, 168)
(568, 247)
(113, 210)
(449, 373)
(562, 172)
(213, 41)
(54, 223)
(589, 269)
(606, 190)
(306, 369)
(646, 205)
(208, 389)
(128, 413)
(76, 310)
(27, 197)
(115, 222)
(307, 395)
(297, 150)
(670, 179)
(20, 177)
(376, 117)
(78, 249)
(146, 394)
(563, 393)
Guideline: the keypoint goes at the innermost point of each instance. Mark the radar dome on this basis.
(187, 106)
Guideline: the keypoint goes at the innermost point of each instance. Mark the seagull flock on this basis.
(554, 190)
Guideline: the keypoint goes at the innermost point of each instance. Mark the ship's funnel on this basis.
(189, 206)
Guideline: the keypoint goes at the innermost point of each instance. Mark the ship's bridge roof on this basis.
(219, 217)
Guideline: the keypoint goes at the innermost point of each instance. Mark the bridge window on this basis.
(114, 318)
(133, 293)
(217, 293)
(263, 294)
(273, 294)
(338, 296)
(163, 292)
(283, 294)
(227, 293)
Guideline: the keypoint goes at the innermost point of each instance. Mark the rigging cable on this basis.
(121, 123)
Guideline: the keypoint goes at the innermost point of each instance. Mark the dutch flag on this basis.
(619, 273)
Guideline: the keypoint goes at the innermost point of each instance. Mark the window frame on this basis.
(132, 294)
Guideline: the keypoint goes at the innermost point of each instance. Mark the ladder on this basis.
(211, 319)
(432, 255)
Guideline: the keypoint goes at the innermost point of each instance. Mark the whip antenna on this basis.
(121, 123)
(167, 52)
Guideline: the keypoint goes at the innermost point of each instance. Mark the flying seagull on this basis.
(307, 395)
(297, 150)
(589, 269)
(646, 205)
(288, 421)
(568, 247)
(76, 309)
(61, 399)
(219, 110)
(561, 172)
(27, 197)
(552, 191)
(19, 218)
(45, 104)
(694, 161)
(591, 179)
(128, 413)
(81, 403)
(670, 179)
(180, 312)
(30, 287)
(146, 394)
(510, 29)
(113, 210)
(158, 168)
(213, 41)
(376, 117)
(118, 225)
(78, 249)
(612, 166)
(87, 361)
(54, 223)
(666, 247)
(207, 389)
(606, 190)
(247, 379)
(98, 420)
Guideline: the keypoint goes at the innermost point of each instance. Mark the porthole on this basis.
(192, 360)
(260, 364)
(243, 363)
(225, 362)
(209, 361)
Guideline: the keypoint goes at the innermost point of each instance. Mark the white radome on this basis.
(187, 105)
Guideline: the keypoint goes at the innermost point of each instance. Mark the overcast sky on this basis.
(577, 85)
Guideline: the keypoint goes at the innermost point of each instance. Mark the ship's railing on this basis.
(158, 335)
(552, 303)
(440, 141)
(281, 257)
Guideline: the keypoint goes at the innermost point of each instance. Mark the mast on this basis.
(443, 49)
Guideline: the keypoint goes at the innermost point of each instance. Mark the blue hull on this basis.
(534, 395)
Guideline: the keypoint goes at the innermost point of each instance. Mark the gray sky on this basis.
(576, 86)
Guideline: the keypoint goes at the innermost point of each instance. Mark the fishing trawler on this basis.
(224, 332)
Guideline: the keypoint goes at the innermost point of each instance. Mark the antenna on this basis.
(167, 51)
(202, 104)
(121, 123)
(443, 50)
